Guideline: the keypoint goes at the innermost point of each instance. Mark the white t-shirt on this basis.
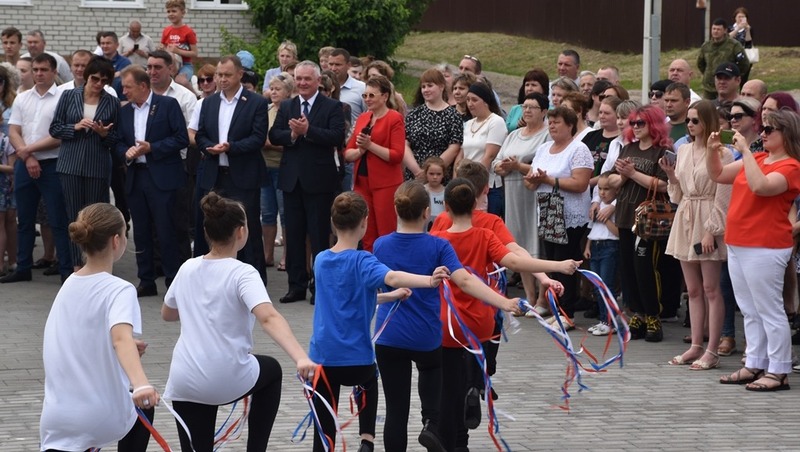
(492, 131)
(599, 231)
(212, 361)
(87, 402)
(34, 113)
(575, 155)
(437, 202)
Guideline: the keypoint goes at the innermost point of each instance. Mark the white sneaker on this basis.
(602, 330)
(593, 327)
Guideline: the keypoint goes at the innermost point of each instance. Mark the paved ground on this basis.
(647, 405)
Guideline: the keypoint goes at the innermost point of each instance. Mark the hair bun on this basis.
(80, 232)
(213, 205)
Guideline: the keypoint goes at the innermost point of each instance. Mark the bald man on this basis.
(756, 89)
(680, 71)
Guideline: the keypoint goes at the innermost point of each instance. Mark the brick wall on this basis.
(68, 26)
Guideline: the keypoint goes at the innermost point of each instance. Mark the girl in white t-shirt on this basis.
(218, 299)
(433, 168)
(91, 358)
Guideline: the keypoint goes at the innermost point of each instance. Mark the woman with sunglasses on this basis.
(594, 102)
(535, 81)
(745, 120)
(377, 146)
(773, 102)
(764, 188)
(636, 172)
(697, 232)
(205, 81)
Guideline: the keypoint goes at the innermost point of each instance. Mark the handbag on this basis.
(652, 219)
(752, 54)
(552, 225)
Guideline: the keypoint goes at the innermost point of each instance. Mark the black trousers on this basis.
(364, 376)
(571, 250)
(306, 214)
(201, 419)
(395, 367)
(457, 374)
(640, 261)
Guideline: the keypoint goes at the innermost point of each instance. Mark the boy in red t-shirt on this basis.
(181, 40)
(477, 248)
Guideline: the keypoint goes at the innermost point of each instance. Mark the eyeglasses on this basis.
(694, 121)
(738, 116)
(767, 130)
(655, 93)
(370, 95)
(205, 79)
(531, 107)
(639, 123)
(95, 79)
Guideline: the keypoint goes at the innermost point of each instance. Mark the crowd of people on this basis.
(377, 196)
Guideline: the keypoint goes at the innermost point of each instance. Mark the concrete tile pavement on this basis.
(647, 405)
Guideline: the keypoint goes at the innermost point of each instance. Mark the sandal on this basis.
(737, 378)
(706, 365)
(727, 346)
(679, 361)
(281, 267)
(782, 379)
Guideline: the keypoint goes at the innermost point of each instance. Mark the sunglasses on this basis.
(95, 79)
(470, 57)
(205, 79)
(738, 116)
(655, 93)
(638, 123)
(694, 121)
(767, 130)
(369, 95)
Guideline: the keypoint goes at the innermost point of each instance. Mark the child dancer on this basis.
(347, 285)
(414, 333)
(477, 248)
(217, 299)
(91, 358)
(434, 176)
(602, 247)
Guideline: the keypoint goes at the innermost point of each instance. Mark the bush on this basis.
(265, 50)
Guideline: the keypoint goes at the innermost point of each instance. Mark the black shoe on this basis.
(146, 290)
(42, 263)
(293, 295)
(592, 313)
(472, 409)
(654, 332)
(429, 439)
(16, 277)
(313, 299)
(52, 270)
(366, 446)
(637, 327)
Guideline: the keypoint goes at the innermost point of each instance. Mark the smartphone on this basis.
(135, 47)
(670, 157)
(698, 247)
(726, 136)
(367, 130)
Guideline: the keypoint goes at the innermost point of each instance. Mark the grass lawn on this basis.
(514, 55)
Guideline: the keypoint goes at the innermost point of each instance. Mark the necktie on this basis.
(305, 108)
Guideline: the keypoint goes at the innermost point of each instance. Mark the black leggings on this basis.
(364, 376)
(639, 261)
(395, 366)
(201, 419)
(137, 438)
(571, 250)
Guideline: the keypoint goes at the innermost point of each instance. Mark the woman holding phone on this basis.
(697, 232)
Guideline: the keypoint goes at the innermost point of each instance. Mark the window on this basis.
(112, 3)
(219, 4)
(16, 3)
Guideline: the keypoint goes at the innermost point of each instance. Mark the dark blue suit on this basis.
(243, 178)
(309, 179)
(151, 186)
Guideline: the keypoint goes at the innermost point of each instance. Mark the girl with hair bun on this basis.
(415, 332)
(218, 299)
(91, 359)
(348, 281)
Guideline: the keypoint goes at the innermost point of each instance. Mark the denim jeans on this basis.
(605, 254)
(729, 321)
(272, 200)
(497, 202)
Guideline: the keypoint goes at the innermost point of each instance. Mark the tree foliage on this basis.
(363, 27)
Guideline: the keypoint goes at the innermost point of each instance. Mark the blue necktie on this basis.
(305, 108)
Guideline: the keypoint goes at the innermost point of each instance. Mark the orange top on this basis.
(763, 221)
(480, 219)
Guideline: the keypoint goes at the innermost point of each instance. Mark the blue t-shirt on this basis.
(347, 294)
(416, 324)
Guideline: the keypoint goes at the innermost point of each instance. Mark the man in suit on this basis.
(230, 134)
(152, 133)
(309, 127)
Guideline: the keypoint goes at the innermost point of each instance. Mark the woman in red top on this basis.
(377, 146)
(759, 239)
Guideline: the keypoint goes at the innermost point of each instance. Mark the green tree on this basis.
(363, 27)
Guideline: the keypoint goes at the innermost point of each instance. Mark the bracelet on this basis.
(142, 388)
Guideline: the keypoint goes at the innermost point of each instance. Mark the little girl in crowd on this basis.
(8, 205)
(434, 177)
(217, 299)
(476, 248)
(414, 333)
(602, 248)
(347, 284)
(91, 358)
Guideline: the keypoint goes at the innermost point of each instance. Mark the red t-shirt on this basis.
(763, 221)
(480, 219)
(182, 36)
(476, 248)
